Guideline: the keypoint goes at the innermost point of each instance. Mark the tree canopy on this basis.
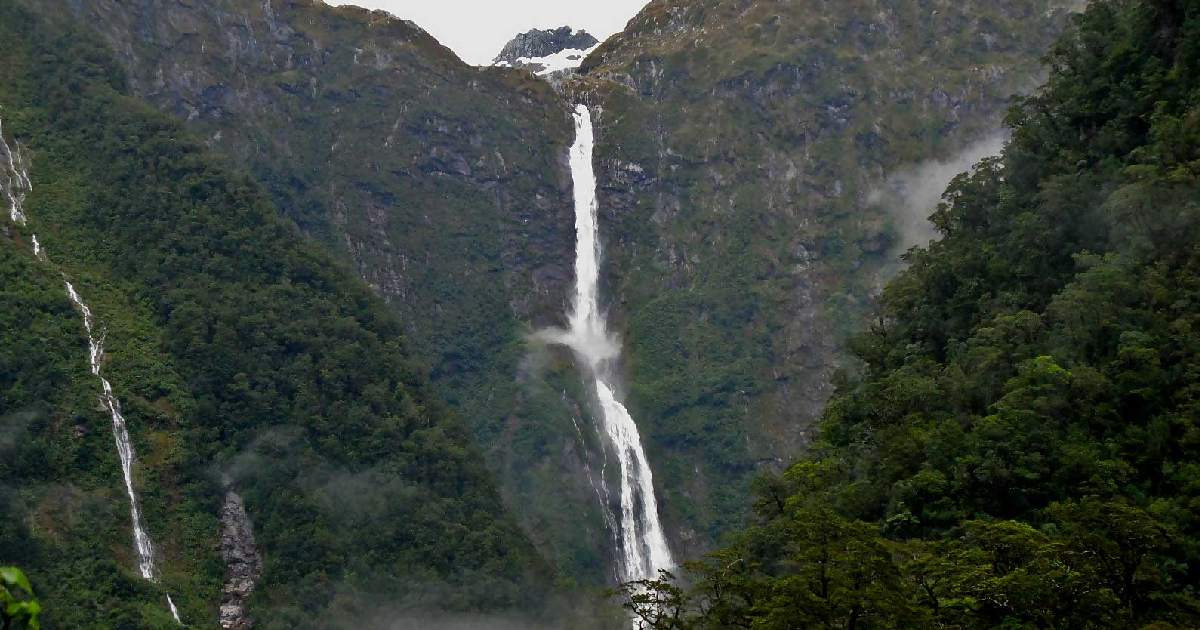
(1019, 447)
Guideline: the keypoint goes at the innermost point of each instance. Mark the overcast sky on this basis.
(478, 29)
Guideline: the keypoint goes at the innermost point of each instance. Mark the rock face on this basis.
(242, 562)
(739, 145)
(738, 148)
(442, 186)
(553, 54)
(543, 43)
(376, 140)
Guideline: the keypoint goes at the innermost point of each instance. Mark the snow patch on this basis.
(568, 59)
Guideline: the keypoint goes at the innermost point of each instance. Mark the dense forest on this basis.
(1019, 447)
(1012, 444)
(244, 357)
(739, 238)
(738, 145)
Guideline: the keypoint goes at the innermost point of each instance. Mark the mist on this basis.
(911, 194)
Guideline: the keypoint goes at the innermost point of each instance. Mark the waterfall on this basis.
(141, 541)
(17, 185)
(642, 547)
(600, 489)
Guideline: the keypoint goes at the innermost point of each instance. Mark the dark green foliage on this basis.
(19, 609)
(440, 184)
(1019, 450)
(738, 147)
(241, 353)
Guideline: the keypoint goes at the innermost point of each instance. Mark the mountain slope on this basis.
(242, 355)
(746, 151)
(750, 155)
(1020, 450)
(442, 185)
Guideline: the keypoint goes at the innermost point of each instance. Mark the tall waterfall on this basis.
(16, 185)
(642, 546)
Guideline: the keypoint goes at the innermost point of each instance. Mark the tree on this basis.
(19, 609)
(656, 603)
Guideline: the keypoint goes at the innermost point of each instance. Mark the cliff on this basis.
(443, 186)
(749, 155)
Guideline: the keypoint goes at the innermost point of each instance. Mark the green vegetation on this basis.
(738, 146)
(1020, 448)
(441, 185)
(19, 609)
(738, 256)
(241, 353)
(1014, 451)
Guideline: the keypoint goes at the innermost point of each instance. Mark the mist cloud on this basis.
(911, 194)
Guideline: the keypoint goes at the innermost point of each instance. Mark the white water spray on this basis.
(642, 546)
(16, 186)
(16, 179)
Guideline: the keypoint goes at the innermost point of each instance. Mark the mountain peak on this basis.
(544, 51)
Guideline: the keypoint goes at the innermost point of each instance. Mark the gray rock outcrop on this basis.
(242, 562)
(540, 43)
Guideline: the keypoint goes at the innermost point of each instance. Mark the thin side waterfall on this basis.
(16, 186)
(16, 179)
(642, 548)
(141, 540)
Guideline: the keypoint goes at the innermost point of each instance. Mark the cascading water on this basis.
(141, 541)
(17, 186)
(643, 548)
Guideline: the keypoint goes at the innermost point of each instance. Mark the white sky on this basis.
(478, 29)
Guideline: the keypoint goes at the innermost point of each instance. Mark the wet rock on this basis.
(243, 565)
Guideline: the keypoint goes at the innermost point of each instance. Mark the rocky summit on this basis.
(543, 43)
